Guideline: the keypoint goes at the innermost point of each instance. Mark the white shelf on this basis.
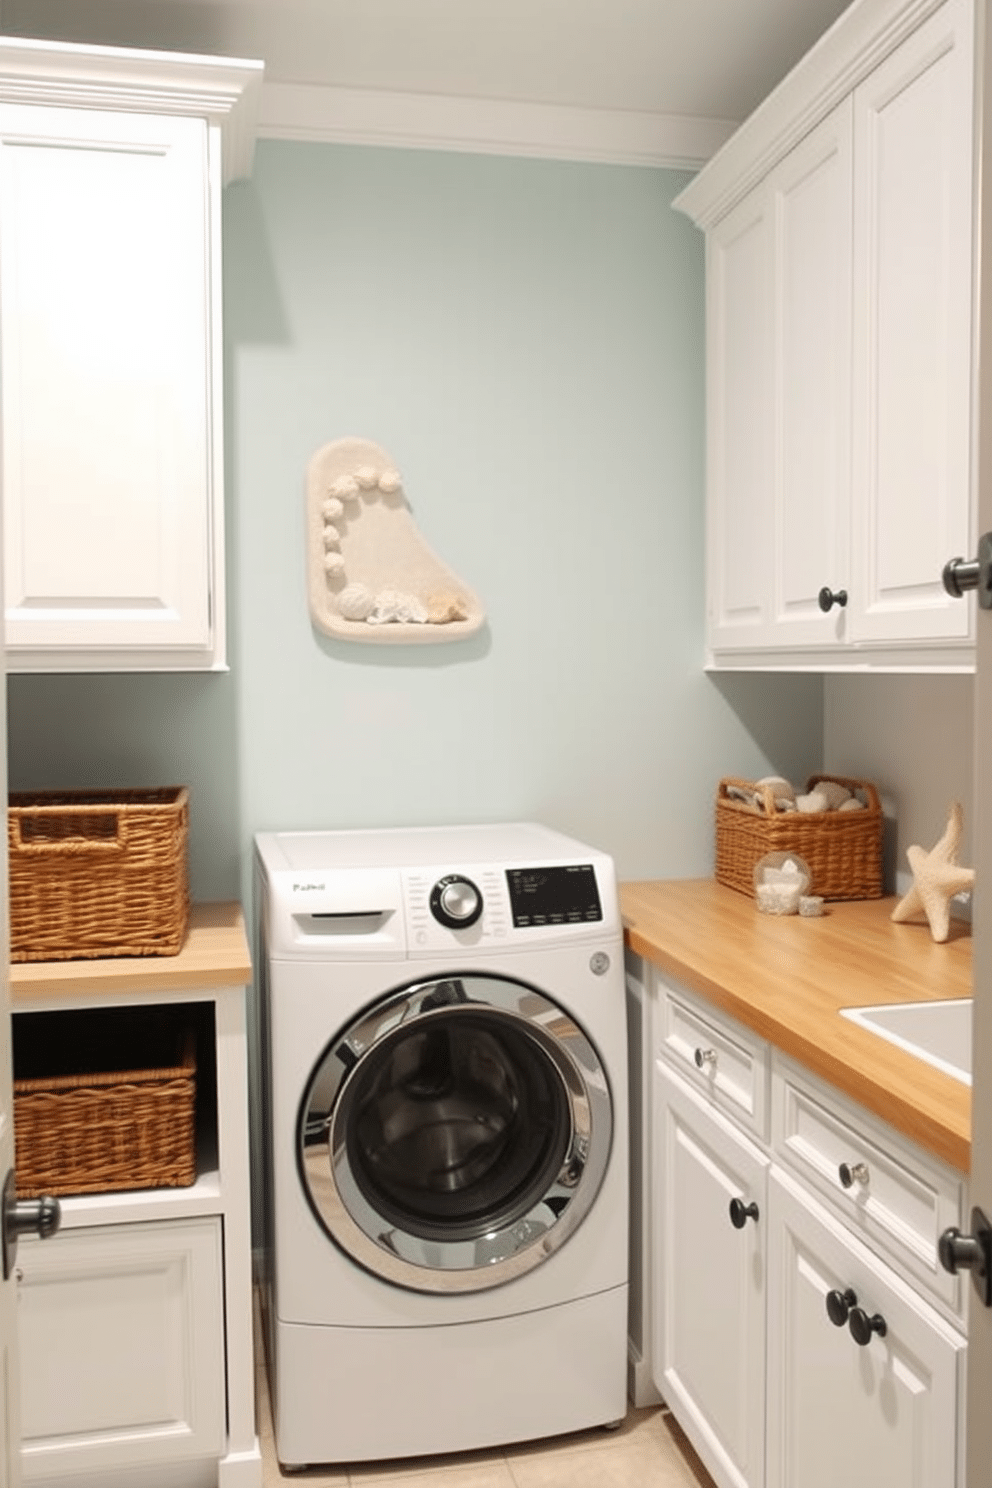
(136, 1205)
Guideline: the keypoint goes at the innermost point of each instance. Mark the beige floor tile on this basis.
(636, 1424)
(442, 1468)
(489, 1472)
(633, 1463)
(696, 1471)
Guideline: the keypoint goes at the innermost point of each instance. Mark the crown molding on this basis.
(424, 121)
(855, 44)
(222, 90)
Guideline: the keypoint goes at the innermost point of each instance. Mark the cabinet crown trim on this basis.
(861, 38)
(224, 91)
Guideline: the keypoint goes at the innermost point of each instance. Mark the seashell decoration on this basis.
(445, 606)
(355, 602)
(345, 488)
(371, 575)
(394, 605)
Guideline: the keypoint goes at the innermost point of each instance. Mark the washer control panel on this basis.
(423, 892)
(456, 902)
(564, 894)
(479, 905)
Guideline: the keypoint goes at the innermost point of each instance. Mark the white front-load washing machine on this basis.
(445, 1093)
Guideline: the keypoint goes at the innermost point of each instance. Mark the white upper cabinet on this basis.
(778, 368)
(839, 253)
(111, 169)
(911, 419)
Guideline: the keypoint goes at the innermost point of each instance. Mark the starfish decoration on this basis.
(937, 877)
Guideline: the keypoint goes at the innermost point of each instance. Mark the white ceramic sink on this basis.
(937, 1032)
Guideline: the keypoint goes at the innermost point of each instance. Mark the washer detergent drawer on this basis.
(121, 1345)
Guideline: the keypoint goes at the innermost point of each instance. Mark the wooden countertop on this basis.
(786, 977)
(215, 954)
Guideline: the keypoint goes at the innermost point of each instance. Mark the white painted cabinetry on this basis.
(839, 253)
(111, 169)
(122, 1348)
(711, 1281)
(776, 1201)
(882, 1409)
(778, 391)
(135, 1318)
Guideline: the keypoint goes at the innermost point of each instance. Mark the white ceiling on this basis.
(711, 60)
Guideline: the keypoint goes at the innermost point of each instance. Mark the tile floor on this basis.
(647, 1451)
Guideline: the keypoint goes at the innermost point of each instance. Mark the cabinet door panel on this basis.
(740, 389)
(122, 1355)
(106, 389)
(812, 192)
(913, 297)
(710, 1283)
(839, 1412)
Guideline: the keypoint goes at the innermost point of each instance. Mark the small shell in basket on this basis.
(835, 793)
(815, 800)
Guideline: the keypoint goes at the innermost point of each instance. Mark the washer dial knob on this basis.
(456, 902)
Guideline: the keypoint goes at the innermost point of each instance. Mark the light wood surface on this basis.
(786, 977)
(215, 954)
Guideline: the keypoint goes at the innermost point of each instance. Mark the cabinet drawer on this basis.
(121, 1347)
(717, 1055)
(887, 1190)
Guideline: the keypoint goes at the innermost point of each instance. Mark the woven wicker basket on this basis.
(843, 848)
(98, 873)
(105, 1132)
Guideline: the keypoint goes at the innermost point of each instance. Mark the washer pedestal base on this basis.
(361, 1394)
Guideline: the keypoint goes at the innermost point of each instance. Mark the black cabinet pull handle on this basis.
(862, 1326)
(740, 1213)
(826, 599)
(839, 1306)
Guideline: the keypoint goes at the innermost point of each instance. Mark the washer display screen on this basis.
(554, 896)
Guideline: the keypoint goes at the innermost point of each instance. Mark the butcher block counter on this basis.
(787, 977)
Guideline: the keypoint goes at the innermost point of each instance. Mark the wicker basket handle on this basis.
(763, 791)
(67, 846)
(865, 786)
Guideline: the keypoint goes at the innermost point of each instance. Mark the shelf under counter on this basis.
(787, 977)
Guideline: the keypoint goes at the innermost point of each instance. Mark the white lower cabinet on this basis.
(135, 1319)
(122, 1348)
(879, 1407)
(710, 1281)
(769, 1214)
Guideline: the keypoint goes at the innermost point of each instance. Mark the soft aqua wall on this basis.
(525, 338)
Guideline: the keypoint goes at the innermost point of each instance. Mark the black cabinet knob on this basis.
(740, 1213)
(839, 1306)
(862, 1326)
(827, 598)
(972, 1253)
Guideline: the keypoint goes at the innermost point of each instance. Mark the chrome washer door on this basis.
(456, 1134)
